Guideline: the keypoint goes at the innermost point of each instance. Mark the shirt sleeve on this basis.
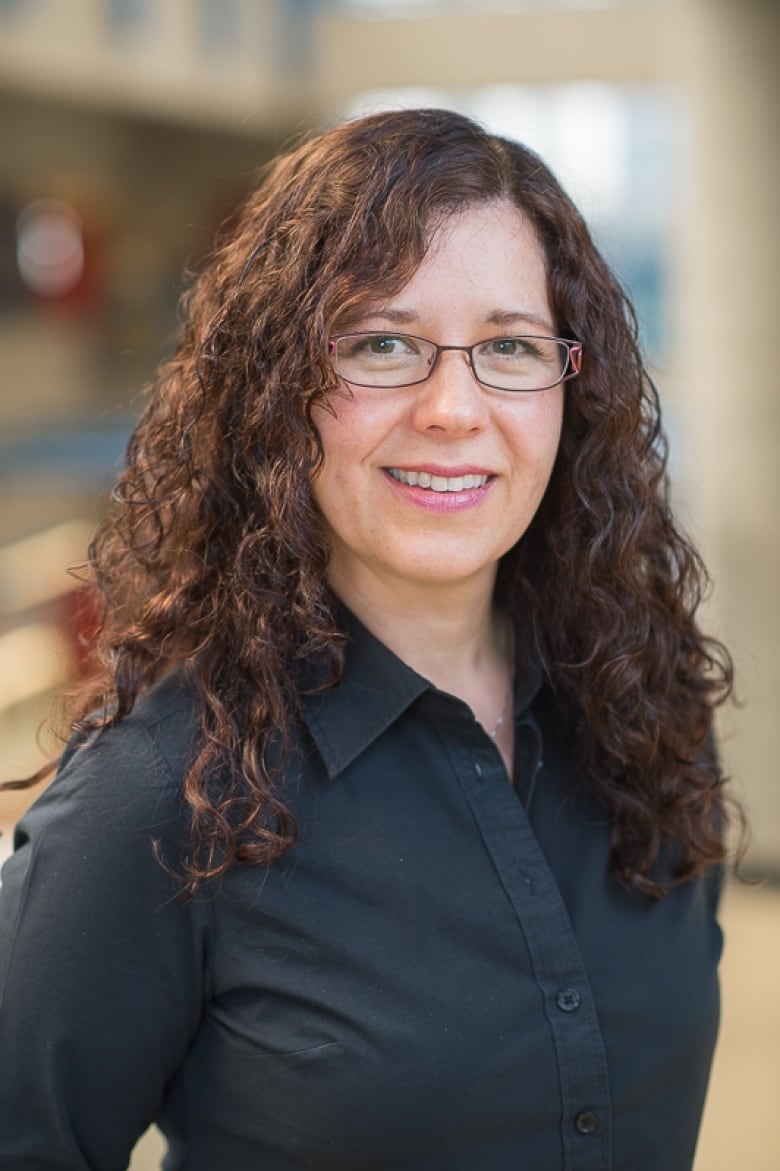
(102, 964)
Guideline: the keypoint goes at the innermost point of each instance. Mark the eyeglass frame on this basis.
(574, 351)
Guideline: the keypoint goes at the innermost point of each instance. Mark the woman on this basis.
(392, 839)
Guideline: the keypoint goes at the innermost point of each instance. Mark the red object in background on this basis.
(58, 255)
(77, 613)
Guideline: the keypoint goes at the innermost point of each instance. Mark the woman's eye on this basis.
(382, 343)
(512, 347)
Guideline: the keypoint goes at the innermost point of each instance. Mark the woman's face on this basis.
(483, 277)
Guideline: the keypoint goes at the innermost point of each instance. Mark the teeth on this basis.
(437, 483)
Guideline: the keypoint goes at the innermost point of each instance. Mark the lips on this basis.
(439, 483)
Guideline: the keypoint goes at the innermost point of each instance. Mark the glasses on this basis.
(517, 363)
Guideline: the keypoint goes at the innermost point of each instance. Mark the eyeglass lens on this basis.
(507, 363)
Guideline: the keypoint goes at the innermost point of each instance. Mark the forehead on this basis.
(484, 230)
(485, 260)
(501, 215)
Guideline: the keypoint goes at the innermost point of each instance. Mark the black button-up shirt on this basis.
(442, 975)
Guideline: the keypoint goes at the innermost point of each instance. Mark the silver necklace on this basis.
(510, 689)
(502, 714)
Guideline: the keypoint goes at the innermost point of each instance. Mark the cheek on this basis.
(350, 426)
(537, 448)
(346, 439)
(330, 484)
(536, 435)
(351, 434)
(334, 428)
(552, 438)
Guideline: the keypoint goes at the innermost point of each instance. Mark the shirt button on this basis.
(587, 1122)
(568, 1000)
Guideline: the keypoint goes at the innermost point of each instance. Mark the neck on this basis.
(453, 635)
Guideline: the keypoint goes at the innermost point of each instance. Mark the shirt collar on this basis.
(377, 687)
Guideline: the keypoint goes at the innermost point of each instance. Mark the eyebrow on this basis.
(503, 318)
(513, 317)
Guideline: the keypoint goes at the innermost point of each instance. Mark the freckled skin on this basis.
(486, 260)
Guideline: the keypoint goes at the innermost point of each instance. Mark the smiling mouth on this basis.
(438, 483)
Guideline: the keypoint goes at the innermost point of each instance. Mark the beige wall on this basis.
(728, 260)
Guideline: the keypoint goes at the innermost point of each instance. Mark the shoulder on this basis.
(103, 969)
(161, 728)
(128, 775)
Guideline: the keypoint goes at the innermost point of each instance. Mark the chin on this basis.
(435, 571)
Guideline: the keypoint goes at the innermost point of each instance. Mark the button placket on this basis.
(586, 1130)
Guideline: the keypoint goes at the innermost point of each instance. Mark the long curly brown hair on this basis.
(213, 556)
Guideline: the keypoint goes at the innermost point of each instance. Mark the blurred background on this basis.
(130, 129)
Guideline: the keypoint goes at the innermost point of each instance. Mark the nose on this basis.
(451, 400)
